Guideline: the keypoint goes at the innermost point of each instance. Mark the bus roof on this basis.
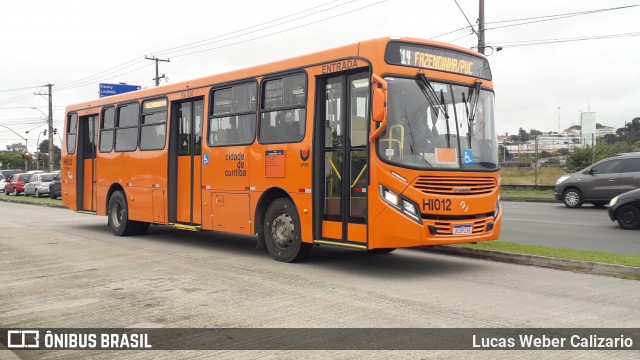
(319, 57)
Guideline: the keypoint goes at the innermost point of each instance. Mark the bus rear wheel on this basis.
(282, 232)
(118, 216)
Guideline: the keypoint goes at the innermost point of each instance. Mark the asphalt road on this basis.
(62, 269)
(553, 224)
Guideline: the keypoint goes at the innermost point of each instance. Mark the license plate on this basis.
(462, 229)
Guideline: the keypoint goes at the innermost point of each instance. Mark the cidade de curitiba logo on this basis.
(69, 340)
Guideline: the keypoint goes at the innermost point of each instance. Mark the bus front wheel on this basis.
(282, 232)
(118, 217)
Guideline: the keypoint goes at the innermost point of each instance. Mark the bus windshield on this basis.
(434, 125)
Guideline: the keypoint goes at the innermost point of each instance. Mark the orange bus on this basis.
(383, 144)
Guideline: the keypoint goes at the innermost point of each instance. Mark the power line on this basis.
(191, 45)
(282, 31)
(19, 89)
(116, 71)
(465, 16)
(526, 21)
(555, 41)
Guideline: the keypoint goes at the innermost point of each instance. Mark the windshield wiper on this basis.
(475, 90)
(432, 97)
(471, 113)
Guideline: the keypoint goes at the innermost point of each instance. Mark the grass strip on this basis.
(562, 253)
(29, 199)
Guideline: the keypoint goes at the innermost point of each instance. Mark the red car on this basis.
(16, 183)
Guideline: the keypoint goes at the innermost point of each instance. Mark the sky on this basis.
(77, 44)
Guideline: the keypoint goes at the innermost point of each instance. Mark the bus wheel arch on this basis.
(118, 214)
(266, 199)
(276, 210)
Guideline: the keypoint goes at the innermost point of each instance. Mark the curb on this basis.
(523, 199)
(590, 267)
(27, 202)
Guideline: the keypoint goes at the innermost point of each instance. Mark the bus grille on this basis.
(443, 185)
(446, 228)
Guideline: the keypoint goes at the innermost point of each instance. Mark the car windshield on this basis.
(24, 177)
(439, 125)
(47, 177)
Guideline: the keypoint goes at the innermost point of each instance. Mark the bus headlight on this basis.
(496, 210)
(401, 203)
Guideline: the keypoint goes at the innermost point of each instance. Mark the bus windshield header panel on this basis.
(436, 58)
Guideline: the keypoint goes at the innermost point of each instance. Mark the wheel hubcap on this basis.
(572, 198)
(628, 218)
(282, 230)
(117, 214)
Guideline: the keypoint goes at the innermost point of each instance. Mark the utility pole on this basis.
(50, 123)
(158, 77)
(559, 120)
(481, 44)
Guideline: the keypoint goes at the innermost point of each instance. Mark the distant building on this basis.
(606, 130)
(588, 127)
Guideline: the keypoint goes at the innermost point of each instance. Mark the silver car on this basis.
(600, 182)
(38, 185)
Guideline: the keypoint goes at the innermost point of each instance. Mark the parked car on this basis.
(8, 172)
(3, 182)
(55, 187)
(600, 182)
(625, 209)
(16, 184)
(38, 185)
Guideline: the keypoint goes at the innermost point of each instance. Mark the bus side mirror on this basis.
(379, 106)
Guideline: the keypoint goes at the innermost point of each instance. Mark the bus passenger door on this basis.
(185, 151)
(341, 164)
(86, 182)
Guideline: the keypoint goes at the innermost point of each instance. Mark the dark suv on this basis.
(55, 189)
(600, 182)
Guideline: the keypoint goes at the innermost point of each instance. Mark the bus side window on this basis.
(233, 115)
(283, 115)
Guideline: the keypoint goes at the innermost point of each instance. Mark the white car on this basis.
(38, 184)
(3, 182)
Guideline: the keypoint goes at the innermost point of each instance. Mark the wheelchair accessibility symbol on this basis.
(205, 159)
(467, 157)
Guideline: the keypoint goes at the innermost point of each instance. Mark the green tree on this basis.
(17, 148)
(581, 158)
(43, 147)
(544, 154)
(523, 137)
(502, 152)
(631, 132)
(11, 160)
(533, 133)
(611, 139)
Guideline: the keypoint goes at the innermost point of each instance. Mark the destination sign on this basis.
(435, 58)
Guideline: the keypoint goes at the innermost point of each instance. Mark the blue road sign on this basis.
(115, 89)
(205, 159)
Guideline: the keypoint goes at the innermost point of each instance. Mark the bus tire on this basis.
(118, 216)
(282, 232)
